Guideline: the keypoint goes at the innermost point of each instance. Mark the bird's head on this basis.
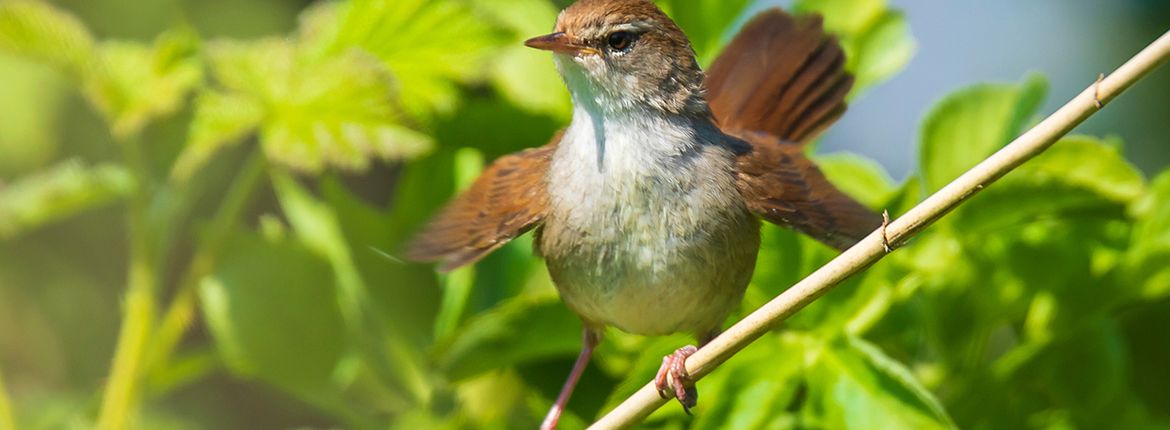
(625, 54)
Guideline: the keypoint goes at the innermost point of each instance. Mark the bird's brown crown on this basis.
(636, 39)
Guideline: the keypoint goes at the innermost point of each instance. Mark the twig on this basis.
(872, 248)
(122, 392)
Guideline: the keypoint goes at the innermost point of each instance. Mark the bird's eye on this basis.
(620, 40)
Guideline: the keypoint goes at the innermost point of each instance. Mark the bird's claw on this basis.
(673, 375)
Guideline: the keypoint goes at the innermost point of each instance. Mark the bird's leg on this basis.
(673, 375)
(592, 337)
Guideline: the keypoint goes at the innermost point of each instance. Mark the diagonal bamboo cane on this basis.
(639, 405)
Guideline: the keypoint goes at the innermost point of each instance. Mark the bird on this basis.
(647, 207)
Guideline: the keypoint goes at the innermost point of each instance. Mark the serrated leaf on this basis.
(57, 193)
(1078, 175)
(42, 32)
(335, 111)
(969, 125)
(135, 84)
(221, 119)
(428, 46)
(855, 385)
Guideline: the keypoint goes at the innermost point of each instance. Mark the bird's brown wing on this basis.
(780, 81)
(782, 76)
(780, 184)
(507, 200)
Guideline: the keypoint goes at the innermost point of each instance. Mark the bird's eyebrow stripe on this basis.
(636, 26)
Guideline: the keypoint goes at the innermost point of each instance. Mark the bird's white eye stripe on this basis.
(634, 27)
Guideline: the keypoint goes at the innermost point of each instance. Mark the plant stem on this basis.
(179, 313)
(120, 400)
(6, 420)
(872, 248)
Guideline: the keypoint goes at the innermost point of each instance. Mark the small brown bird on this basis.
(646, 207)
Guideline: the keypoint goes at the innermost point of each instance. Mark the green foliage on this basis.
(60, 192)
(428, 46)
(876, 38)
(271, 299)
(1029, 307)
(42, 32)
(134, 84)
(311, 112)
(706, 22)
(969, 125)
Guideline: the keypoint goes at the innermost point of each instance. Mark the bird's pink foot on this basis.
(673, 376)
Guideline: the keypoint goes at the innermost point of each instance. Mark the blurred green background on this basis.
(201, 205)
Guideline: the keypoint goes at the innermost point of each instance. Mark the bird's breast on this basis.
(645, 233)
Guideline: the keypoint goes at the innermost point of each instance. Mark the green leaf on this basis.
(1148, 259)
(335, 111)
(317, 226)
(58, 193)
(221, 119)
(521, 330)
(269, 302)
(876, 39)
(855, 385)
(971, 124)
(882, 51)
(135, 84)
(706, 22)
(526, 77)
(859, 177)
(429, 46)
(42, 32)
(1079, 176)
(754, 390)
(33, 125)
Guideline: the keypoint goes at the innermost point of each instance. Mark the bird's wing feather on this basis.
(780, 75)
(507, 200)
(780, 184)
(782, 80)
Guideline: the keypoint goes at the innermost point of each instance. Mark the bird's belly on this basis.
(653, 271)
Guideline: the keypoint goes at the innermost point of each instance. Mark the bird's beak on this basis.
(560, 43)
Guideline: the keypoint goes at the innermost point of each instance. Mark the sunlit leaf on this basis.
(336, 111)
(856, 386)
(525, 76)
(31, 131)
(876, 39)
(40, 31)
(1079, 175)
(429, 46)
(135, 84)
(859, 177)
(970, 124)
(58, 193)
(221, 119)
(1148, 259)
(755, 389)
